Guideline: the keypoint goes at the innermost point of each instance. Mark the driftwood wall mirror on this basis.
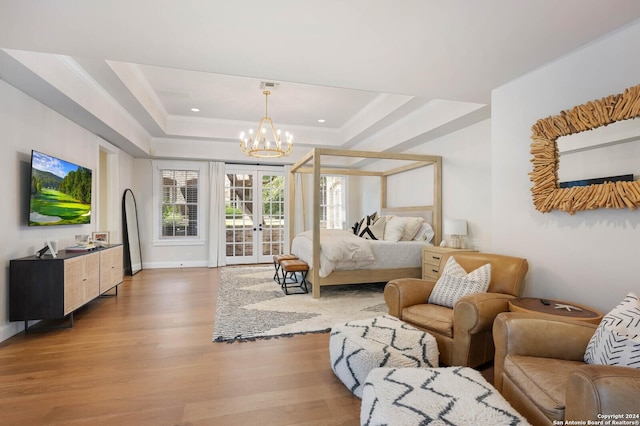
(547, 194)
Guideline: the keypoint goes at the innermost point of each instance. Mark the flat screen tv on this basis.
(60, 192)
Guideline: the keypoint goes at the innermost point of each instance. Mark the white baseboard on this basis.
(178, 264)
(11, 329)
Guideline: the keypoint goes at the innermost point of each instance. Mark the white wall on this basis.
(466, 179)
(26, 124)
(589, 257)
(466, 182)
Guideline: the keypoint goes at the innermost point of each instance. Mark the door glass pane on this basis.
(239, 193)
(272, 235)
(254, 216)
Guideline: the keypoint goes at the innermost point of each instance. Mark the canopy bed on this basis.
(380, 269)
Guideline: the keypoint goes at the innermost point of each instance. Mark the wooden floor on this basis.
(145, 357)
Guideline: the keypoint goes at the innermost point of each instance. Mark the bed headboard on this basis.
(417, 211)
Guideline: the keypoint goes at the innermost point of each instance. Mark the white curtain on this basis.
(217, 231)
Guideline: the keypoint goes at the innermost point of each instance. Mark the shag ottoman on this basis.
(357, 347)
(434, 396)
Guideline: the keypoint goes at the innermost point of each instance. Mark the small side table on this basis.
(533, 304)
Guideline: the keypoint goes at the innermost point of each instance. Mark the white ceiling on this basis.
(362, 65)
(241, 98)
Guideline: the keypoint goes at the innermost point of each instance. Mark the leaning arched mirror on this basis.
(131, 234)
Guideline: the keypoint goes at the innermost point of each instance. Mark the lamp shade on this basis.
(455, 227)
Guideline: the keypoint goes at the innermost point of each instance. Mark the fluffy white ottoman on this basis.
(357, 347)
(434, 396)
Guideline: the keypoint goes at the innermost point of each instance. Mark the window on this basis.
(333, 202)
(177, 202)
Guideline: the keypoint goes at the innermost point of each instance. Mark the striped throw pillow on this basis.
(455, 283)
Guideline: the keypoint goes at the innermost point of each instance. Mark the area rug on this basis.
(252, 306)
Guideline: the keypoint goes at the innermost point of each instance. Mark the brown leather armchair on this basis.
(464, 333)
(539, 368)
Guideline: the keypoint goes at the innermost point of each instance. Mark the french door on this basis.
(255, 202)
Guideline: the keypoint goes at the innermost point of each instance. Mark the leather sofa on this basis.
(539, 368)
(464, 333)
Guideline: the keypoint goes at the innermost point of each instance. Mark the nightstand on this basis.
(431, 260)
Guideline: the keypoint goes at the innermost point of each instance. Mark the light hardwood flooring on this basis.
(145, 357)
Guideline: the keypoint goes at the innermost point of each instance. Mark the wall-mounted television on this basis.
(60, 192)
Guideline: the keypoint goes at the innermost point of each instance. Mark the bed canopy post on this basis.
(437, 200)
(292, 206)
(316, 226)
(383, 192)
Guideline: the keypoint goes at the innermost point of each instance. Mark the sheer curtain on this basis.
(300, 214)
(217, 232)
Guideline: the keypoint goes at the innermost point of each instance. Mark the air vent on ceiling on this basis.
(270, 85)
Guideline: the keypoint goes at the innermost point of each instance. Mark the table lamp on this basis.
(456, 229)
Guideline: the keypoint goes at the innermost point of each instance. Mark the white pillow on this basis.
(455, 283)
(425, 233)
(617, 338)
(411, 226)
(375, 231)
(394, 229)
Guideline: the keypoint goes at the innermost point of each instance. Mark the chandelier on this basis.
(267, 142)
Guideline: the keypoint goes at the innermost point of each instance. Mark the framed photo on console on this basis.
(100, 237)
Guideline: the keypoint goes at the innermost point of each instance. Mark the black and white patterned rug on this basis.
(252, 306)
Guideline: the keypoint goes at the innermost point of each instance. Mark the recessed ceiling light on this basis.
(322, 120)
(195, 109)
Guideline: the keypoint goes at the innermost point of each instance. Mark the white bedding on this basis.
(386, 254)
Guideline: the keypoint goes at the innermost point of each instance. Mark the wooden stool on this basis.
(276, 263)
(290, 267)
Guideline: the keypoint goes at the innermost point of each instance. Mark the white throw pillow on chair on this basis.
(455, 283)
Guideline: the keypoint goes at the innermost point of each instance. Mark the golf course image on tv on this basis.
(60, 192)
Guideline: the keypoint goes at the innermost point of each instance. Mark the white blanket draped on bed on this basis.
(341, 245)
(336, 245)
(386, 254)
